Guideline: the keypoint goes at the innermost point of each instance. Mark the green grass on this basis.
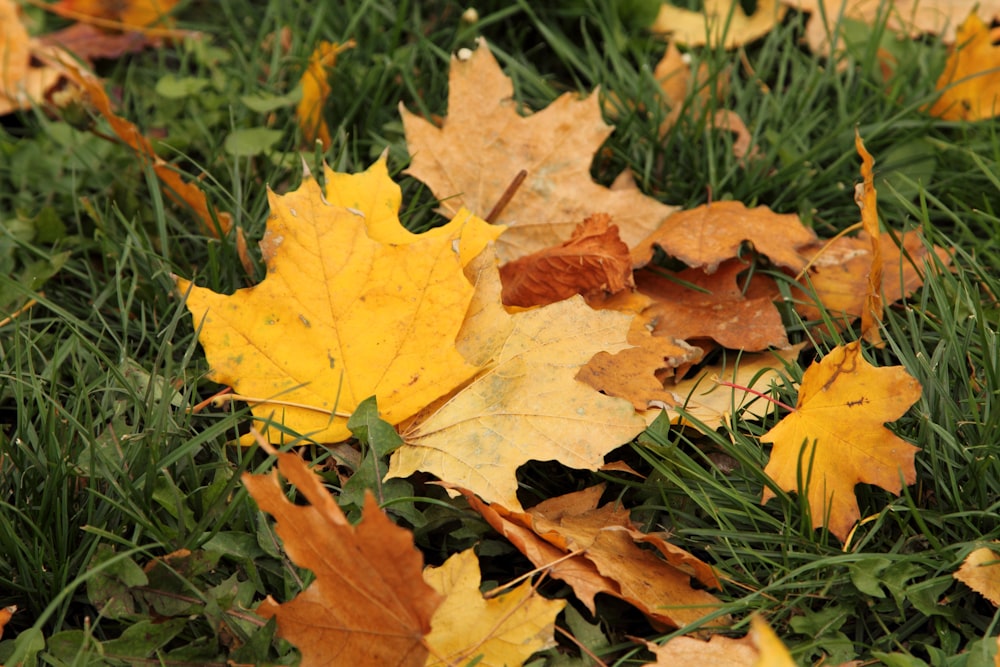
(103, 470)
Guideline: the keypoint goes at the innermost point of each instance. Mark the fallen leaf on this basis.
(526, 403)
(173, 184)
(5, 615)
(721, 22)
(484, 143)
(980, 571)
(836, 437)
(867, 200)
(970, 82)
(369, 605)
(838, 273)
(301, 344)
(759, 648)
(594, 260)
(710, 234)
(595, 550)
(22, 84)
(316, 89)
(136, 15)
(703, 398)
(637, 373)
(911, 18)
(694, 304)
(492, 630)
(88, 42)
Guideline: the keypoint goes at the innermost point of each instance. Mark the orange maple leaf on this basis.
(970, 83)
(353, 305)
(710, 234)
(369, 604)
(315, 89)
(596, 550)
(140, 15)
(484, 143)
(593, 261)
(836, 437)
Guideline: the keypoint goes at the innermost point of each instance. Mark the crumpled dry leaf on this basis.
(369, 605)
(593, 261)
(836, 437)
(720, 22)
(604, 557)
(316, 89)
(708, 235)
(759, 648)
(494, 630)
(717, 307)
(526, 404)
(970, 82)
(980, 571)
(301, 345)
(867, 200)
(22, 84)
(484, 143)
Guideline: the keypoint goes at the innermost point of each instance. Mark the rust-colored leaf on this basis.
(836, 437)
(369, 604)
(710, 234)
(593, 261)
(596, 550)
(485, 142)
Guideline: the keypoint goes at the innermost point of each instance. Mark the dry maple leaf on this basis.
(342, 314)
(493, 630)
(836, 437)
(137, 15)
(596, 550)
(22, 84)
(708, 235)
(369, 605)
(980, 571)
(904, 17)
(715, 306)
(720, 22)
(315, 89)
(526, 404)
(970, 82)
(759, 648)
(594, 260)
(484, 143)
(839, 269)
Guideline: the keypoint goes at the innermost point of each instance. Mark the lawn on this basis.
(127, 533)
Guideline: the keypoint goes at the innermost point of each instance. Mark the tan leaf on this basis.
(526, 404)
(593, 261)
(484, 143)
(22, 84)
(710, 234)
(980, 571)
(369, 605)
(836, 438)
(715, 307)
(495, 631)
(760, 648)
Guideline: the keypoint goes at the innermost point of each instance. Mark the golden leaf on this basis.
(970, 83)
(980, 571)
(721, 22)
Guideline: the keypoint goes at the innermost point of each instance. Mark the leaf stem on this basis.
(756, 393)
(507, 195)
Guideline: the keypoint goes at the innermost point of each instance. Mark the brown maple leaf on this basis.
(369, 604)
(694, 304)
(595, 550)
(485, 142)
(836, 437)
(710, 234)
(593, 261)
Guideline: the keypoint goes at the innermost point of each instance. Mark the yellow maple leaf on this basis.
(315, 89)
(484, 143)
(720, 22)
(970, 83)
(342, 315)
(836, 437)
(980, 571)
(526, 404)
(368, 604)
(499, 630)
